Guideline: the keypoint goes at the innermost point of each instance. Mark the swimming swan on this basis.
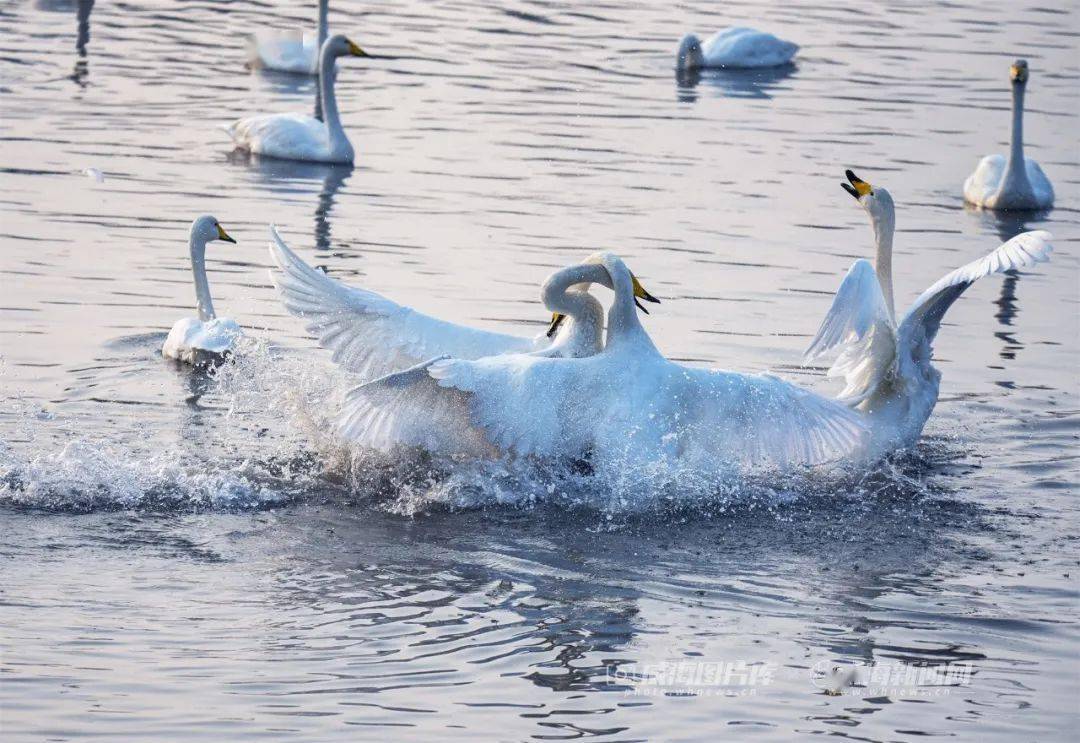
(1017, 183)
(738, 48)
(299, 136)
(290, 51)
(626, 404)
(206, 338)
(371, 335)
(885, 365)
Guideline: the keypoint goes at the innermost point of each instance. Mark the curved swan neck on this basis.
(1015, 169)
(328, 100)
(203, 303)
(567, 292)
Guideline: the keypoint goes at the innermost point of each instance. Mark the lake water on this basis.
(189, 557)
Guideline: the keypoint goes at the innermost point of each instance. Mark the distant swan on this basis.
(887, 366)
(290, 51)
(206, 338)
(738, 48)
(626, 404)
(299, 136)
(371, 335)
(1017, 183)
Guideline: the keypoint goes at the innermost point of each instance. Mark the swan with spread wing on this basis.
(625, 404)
(886, 365)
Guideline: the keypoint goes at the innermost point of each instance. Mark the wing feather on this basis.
(920, 325)
(369, 334)
(860, 325)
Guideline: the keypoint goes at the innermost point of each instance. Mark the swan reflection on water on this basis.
(1007, 225)
(760, 83)
(293, 177)
(82, 10)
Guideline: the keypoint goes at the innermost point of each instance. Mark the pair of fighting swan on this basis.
(461, 391)
(476, 393)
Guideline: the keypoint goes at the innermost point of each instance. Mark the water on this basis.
(189, 557)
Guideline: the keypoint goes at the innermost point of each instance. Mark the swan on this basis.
(1016, 183)
(371, 335)
(625, 405)
(208, 337)
(738, 48)
(289, 51)
(298, 136)
(886, 365)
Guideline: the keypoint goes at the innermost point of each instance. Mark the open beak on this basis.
(858, 187)
(356, 51)
(222, 235)
(641, 293)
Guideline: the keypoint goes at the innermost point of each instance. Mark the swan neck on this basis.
(327, 99)
(624, 328)
(582, 309)
(1015, 168)
(324, 23)
(203, 303)
(884, 229)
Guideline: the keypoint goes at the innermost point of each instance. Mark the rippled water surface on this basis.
(187, 556)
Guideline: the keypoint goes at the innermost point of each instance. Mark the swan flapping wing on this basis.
(369, 334)
(860, 326)
(599, 407)
(921, 323)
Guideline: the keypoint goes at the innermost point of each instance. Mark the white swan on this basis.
(208, 337)
(885, 365)
(737, 48)
(626, 404)
(1017, 182)
(290, 51)
(299, 136)
(371, 335)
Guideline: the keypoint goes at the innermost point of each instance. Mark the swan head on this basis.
(611, 272)
(618, 273)
(206, 229)
(341, 46)
(1018, 72)
(877, 202)
(690, 56)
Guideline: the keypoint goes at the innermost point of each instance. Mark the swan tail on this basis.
(922, 322)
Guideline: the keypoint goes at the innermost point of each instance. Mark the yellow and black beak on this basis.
(222, 235)
(858, 187)
(355, 50)
(1018, 72)
(557, 319)
(641, 293)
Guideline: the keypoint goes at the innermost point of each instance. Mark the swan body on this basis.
(886, 365)
(206, 338)
(1015, 182)
(736, 48)
(624, 405)
(290, 51)
(370, 335)
(297, 136)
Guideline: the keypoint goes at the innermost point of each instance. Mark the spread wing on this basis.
(597, 407)
(369, 334)
(922, 322)
(860, 326)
